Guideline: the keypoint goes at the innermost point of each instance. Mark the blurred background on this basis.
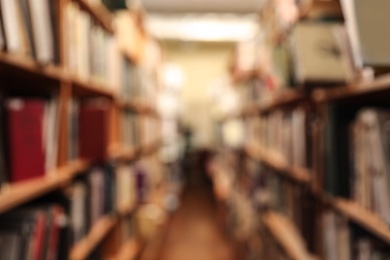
(197, 129)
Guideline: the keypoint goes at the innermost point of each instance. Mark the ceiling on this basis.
(231, 6)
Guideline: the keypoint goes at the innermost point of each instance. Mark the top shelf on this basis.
(99, 13)
(379, 88)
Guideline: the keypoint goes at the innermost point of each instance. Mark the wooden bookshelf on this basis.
(14, 195)
(277, 162)
(129, 250)
(370, 221)
(286, 234)
(95, 236)
(379, 88)
(99, 14)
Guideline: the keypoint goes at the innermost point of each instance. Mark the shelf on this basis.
(150, 148)
(277, 162)
(286, 234)
(129, 250)
(124, 154)
(283, 99)
(90, 89)
(97, 233)
(18, 66)
(379, 88)
(127, 210)
(138, 106)
(363, 217)
(99, 13)
(14, 195)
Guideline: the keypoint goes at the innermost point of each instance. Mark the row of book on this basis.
(31, 29)
(340, 242)
(356, 144)
(284, 132)
(49, 227)
(88, 46)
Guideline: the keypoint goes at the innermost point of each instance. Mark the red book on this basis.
(25, 134)
(39, 236)
(54, 232)
(93, 131)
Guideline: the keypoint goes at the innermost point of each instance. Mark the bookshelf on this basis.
(92, 84)
(339, 176)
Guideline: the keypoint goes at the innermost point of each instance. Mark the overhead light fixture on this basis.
(208, 27)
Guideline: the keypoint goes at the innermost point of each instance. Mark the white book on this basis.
(42, 30)
(9, 9)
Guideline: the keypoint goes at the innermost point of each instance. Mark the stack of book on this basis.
(90, 49)
(31, 29)
(31, 126)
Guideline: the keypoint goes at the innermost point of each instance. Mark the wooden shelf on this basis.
(99, 13)
(124, 153)
(19, 193)
(277, 162)
(129, 250)
(138, 106)
(97, 233)
(150, 148)
(20, 66)
(286, 234)
(127, 210)
(90, 89)
(379, 88)
(281, 100)
(363, 217)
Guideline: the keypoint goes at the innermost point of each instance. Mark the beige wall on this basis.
(202, 64)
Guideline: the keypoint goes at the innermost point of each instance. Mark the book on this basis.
(93, 123)
(25, 125)
(42, 29)
(9, 14)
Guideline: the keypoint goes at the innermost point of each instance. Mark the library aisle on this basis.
(194, 232)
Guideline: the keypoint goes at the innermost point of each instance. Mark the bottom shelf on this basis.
(286, 235)
(97, 233)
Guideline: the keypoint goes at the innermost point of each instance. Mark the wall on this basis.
(202, 64)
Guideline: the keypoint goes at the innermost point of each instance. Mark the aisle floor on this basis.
(194, 232)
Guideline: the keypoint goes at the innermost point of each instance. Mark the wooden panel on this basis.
(96, 235)
(286, 234)
(277, 162)
(17, 194)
